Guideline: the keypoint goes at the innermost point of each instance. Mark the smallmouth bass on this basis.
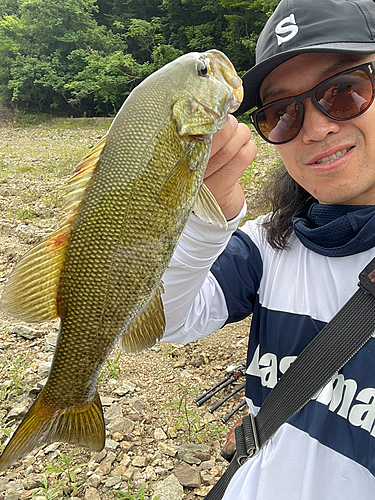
(101, 270)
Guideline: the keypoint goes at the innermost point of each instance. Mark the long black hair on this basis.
(283, 196)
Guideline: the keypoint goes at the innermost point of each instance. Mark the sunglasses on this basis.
(341, 97)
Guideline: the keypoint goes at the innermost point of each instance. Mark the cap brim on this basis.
(254, 77)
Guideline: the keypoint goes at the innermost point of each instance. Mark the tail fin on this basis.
(82, 424)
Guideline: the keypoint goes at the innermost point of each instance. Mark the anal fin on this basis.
(147, 328)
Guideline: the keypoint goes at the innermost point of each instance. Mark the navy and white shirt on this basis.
(326, 450)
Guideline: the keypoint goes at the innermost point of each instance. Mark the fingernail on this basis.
(233, 121)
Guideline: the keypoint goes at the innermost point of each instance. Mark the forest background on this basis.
(83, 57)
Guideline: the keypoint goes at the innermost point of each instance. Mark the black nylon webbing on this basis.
(327, 353)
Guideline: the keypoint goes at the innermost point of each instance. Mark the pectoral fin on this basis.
(147, 328)
(177, 182)
(207, 208)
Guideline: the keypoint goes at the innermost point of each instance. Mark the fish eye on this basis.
(202, 69)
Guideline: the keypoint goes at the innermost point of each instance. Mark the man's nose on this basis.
(316, 126)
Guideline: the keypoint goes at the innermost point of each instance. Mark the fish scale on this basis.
(101, 271)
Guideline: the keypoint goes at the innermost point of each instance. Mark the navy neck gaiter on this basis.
(336, 230)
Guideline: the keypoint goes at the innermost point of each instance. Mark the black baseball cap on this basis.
(299, 26)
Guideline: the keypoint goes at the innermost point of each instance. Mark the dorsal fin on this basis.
(31, 291)
(77, 184)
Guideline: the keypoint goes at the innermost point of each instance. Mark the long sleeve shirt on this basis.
(327, 449)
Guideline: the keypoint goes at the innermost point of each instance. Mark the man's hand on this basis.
(231, 153)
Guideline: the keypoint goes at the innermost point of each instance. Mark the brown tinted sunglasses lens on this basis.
(347, 95)
(279, 122)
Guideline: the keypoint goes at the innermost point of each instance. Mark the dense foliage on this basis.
(85, 56)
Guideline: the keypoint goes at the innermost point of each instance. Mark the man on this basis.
(294, 268)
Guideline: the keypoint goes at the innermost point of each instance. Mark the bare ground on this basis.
(34, 162)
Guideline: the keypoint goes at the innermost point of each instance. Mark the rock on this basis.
(159, 471)
(168, 449)
(34, 366)
(169, 489)
(207, 465)
(123, 425)
(208, 417)
(29, 470)
(25, 332)
(194, 453)
(43, 369)
(189, 458)
(20, 410)
(98, 457)
(113, 481)
(126, 445)
(117, 436)
(118, 471)
(124, 387)
(105, 467)
(197, 361)
(138, 405)
(180, 363)
(203, 491)
(113, 412)
(149, 474)
(187, 475)
(158, 458)
(208, 479)
(50, 342)
(91, 494)
(125, 461)
(51, 448)
(94, 480)
(14, 490)
(106, 401)
(3, 483)
(28, 461)
(159, 435)
(32, 481)
(41, 384)
(110, 444)
(139, 461)
(128, 473)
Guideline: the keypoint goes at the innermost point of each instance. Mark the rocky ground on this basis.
(159, 443)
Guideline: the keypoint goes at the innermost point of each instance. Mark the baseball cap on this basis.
(299, 26)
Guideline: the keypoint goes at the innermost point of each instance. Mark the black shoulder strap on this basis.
(327, 353)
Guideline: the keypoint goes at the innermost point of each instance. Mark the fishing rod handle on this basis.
(222, 401)
(203, 400)
(229, 415)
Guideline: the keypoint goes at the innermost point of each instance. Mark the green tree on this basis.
(85, 56)
(35, 45)
(246, 20)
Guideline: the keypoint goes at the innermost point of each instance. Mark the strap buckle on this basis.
(247, 442)
(254, 450)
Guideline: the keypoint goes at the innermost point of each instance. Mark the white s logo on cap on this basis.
(287, 25)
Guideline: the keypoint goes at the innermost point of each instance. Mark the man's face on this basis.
(348, 177)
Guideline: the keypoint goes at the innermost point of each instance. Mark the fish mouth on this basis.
(226, 73)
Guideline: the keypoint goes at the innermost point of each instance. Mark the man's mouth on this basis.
(334, 156)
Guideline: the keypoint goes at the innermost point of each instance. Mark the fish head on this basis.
(207, 88)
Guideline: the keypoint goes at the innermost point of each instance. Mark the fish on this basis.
(100, 272)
